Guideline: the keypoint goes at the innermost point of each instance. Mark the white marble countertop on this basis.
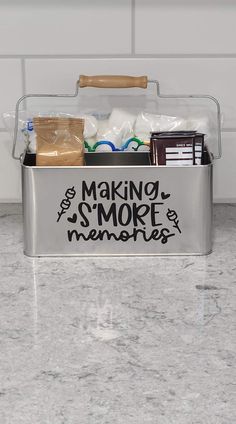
(118, 340)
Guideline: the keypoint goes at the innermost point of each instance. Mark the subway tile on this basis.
(10, 85)
(10, 178)
(200, 76)
(60, 75)
(185, 27)
(225, 171)
(65, 27)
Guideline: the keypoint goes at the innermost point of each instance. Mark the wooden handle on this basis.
(112, 81)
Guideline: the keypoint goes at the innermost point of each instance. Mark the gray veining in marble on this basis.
(118, 340)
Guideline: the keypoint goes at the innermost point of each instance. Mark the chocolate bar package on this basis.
(176, 148)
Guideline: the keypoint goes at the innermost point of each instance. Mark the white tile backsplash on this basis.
(189, 46)
(225, 171)
(185, 27)
(10, 85)
(10, 178)
(65, 27)
(200, 76)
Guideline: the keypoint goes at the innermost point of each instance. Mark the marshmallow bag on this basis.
(120, 119)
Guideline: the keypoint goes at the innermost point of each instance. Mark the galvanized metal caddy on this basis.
(128, 209)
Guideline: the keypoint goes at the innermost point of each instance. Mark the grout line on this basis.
(23, 77)
(123, 56)
(223, 130)
(14, 201)
(133, 27)
(228, 200)
(228, 129)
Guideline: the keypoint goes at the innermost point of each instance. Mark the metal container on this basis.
(133, 209)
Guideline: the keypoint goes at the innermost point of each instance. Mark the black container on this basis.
(117, 159)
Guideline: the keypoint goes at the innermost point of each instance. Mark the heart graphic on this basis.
(73, 219)
(164, 196)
